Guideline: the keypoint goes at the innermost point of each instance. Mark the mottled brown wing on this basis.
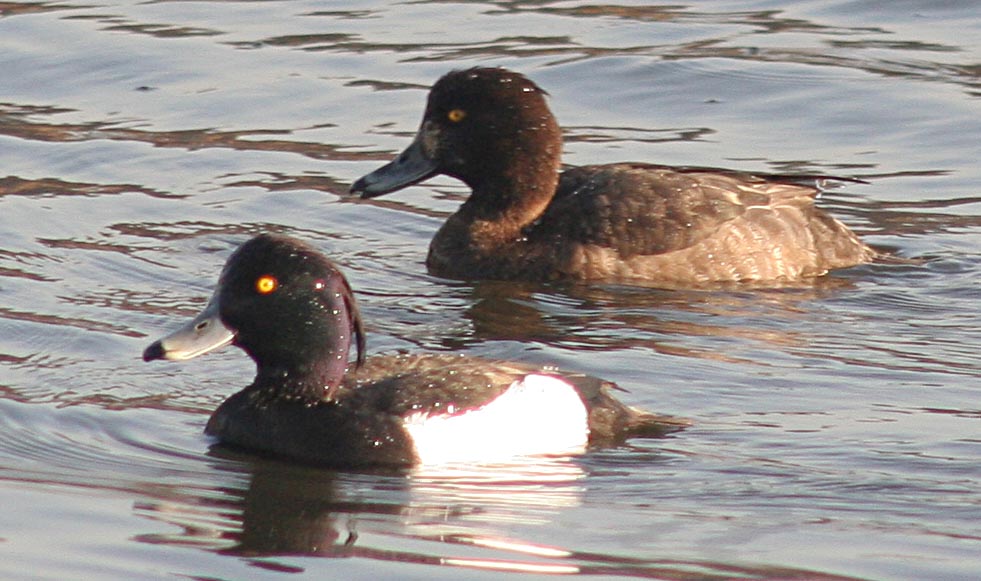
(642, 209)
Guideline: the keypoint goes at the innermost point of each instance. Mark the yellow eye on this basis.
(266, 284)
(456, 115)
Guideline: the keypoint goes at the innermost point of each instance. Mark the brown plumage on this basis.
(492, 129)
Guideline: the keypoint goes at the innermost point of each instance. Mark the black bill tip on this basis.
(360, 188)
(154, 351)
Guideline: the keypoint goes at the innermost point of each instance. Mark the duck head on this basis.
(488, 127)
(288, 307)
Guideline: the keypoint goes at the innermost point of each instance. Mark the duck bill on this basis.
(202, 334)
(412, 166)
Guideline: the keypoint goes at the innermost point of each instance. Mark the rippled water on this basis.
(837, 424)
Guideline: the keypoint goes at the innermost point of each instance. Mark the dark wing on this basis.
(406, 383)
(644, 209)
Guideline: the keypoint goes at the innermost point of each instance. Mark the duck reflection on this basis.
(290, 509)
(446, 516)
(667, 321)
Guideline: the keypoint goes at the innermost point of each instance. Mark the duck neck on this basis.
(308, 368)
(308, 384)
(515, 191)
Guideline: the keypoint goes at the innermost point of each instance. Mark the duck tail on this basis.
(644, 424)
(612, 421)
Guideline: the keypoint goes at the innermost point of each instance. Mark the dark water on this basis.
(839, 425)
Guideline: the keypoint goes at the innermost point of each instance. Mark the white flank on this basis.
(538, 415)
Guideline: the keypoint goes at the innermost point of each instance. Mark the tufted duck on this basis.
(293, 312)
(629, 222)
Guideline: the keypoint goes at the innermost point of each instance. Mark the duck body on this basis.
(633, 221)
(291, 309)
(524, 220)
(400, 410)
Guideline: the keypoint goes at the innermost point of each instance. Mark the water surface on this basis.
(837, 426)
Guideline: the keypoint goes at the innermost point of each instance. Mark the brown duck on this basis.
(627, 222)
